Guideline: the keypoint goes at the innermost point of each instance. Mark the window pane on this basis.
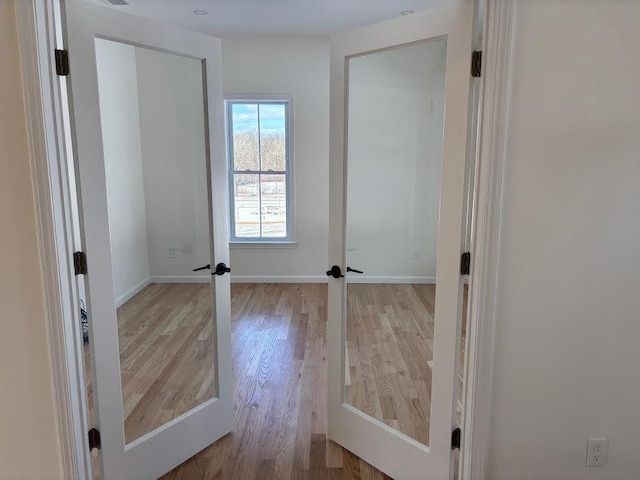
(245, 136)
(273, 136)
(246, 202)
(274, 205)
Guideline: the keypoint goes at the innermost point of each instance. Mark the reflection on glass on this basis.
(153, 127)
(395, 128)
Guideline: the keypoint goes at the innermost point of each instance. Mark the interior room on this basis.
(156, 172)
(266, 240)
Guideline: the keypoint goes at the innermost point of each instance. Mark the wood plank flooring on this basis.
(280, 376)
(390, 353)
(166, 354)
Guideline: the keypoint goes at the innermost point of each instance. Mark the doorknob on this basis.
(335, 272)
(202, 268)
(349, 269)
(221, 269)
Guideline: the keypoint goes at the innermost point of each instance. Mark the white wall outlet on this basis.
(597, 452)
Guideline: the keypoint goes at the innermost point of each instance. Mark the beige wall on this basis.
(28, 440)
(568, 316)
(298, 67)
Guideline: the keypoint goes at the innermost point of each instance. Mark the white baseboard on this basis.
(181, 279)
(241, 279)
(355, 278)
(290, 279)
(278, 279)
(128, 295)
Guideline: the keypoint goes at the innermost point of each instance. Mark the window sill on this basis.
(272, 244)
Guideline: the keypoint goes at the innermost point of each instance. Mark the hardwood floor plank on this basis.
(280, 373)
(390, 337)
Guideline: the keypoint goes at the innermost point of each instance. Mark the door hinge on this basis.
(465, 263)
(79, 263)
(94, 439)
(62, 62)
(456, 437)
(476, 63)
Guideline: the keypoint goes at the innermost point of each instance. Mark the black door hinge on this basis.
(79, 263)
(62, 62)
(465, 263)
(456, 437)
(94, 439)
(476, 63)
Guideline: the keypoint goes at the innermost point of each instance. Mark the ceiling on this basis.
(272, 17)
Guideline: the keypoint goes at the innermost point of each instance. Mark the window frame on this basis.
(289, 239)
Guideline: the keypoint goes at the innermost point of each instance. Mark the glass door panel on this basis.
(152, 111)
(394, 166)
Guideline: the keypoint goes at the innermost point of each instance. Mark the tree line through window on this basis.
(259, 167)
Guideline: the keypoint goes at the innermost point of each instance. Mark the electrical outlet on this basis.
(597, 452)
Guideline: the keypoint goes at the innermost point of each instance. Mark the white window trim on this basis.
(266, 242)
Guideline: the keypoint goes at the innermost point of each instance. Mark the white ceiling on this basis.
(272, 17)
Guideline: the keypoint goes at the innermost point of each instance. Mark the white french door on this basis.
(399, 109)
(148, 128)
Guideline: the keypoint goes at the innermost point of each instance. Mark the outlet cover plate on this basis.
(597, 452)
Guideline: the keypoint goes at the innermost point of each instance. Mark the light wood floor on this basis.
(280, 400)
(280, 368)
(166, 354)
(390, 353)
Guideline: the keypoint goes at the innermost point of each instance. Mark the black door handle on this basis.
(221, 269)
(349, 269)
(202, 268)
(335, 272)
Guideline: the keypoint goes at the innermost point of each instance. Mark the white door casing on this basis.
(388, 450)
(162, 449)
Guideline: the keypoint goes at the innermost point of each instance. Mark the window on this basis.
(260, 169)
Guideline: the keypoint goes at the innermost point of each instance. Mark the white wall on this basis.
(120, 120)
(396, 107)
(300, 67)
(172, 129)
(29, 447)
(567, 360)
(152, 116)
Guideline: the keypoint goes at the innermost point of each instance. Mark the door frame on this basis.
(40, 32)
(486, 226)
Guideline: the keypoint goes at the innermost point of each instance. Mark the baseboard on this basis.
(240, 279)
(181, 279)
(282, 279)
(278, 279)
(125, 297)
(390, 279)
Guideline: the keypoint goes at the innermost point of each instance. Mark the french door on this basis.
(147, 112)
(399, 108)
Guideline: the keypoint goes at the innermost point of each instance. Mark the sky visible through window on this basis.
(272, 118)
(259, 151)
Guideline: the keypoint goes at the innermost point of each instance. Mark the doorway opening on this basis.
(278, 329)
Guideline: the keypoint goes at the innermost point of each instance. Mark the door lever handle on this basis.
(202, 268)
(349, 269)
(221, 269)
(335, 272)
